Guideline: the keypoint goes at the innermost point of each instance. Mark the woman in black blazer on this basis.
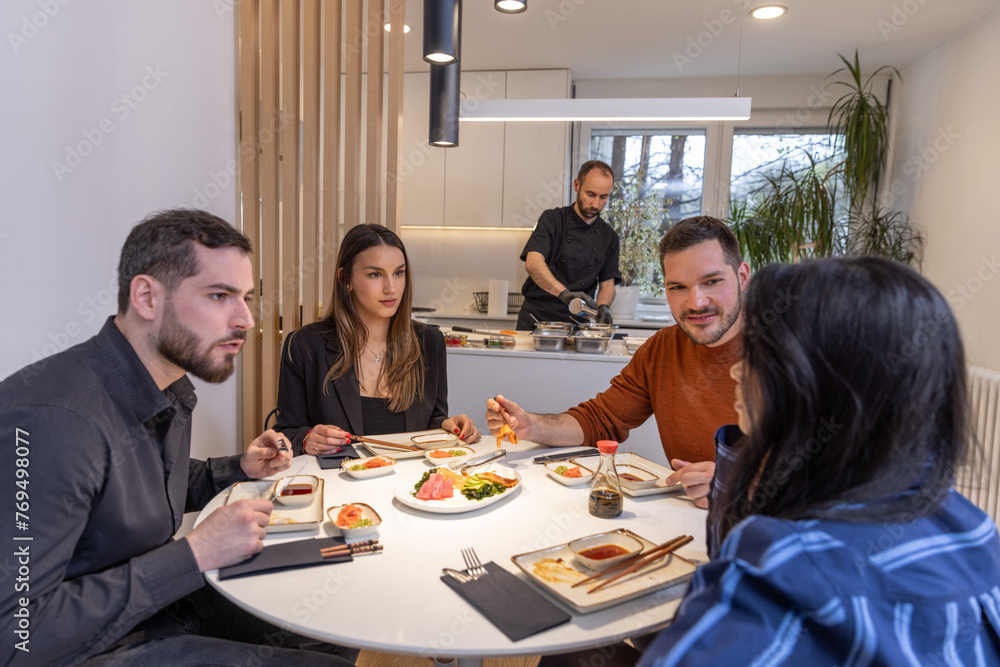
(366, 368)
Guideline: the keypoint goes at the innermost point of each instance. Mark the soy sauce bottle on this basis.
(605, 488)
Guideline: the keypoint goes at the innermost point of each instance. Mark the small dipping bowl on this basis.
(435, 440)
(365, 473)
(585, 478)
(635, 478)
(361, 531)
(442, 460)
(299, 492)
(601, 551)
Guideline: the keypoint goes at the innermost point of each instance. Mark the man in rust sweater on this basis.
(680, 375)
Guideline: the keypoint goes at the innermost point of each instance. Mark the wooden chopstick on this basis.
(383, 443)
(365, 546)
(361, 551)
(628, 561)
(645, 561)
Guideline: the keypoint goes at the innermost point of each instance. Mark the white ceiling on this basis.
(629, 39)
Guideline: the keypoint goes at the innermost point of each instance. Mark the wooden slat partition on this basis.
(249, 201)
(310, 162)
(297, 166)
(394, 117)
(332, 30)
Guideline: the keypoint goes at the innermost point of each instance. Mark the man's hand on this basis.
(604, 314)
(263, 457)
(462, 426)
(519, 419)
(566, 296)
(695, 478)
(230, 534)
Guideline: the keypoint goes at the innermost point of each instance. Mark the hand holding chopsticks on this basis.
(356, 549)
(635, 562)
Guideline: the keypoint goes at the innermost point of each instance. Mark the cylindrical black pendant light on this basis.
(510, 6)
(445, 94)
(442, 27)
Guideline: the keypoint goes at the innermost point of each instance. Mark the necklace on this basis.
(378, 357)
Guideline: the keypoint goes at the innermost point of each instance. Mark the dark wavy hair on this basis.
(162, 246)
(854, 375)
(404, 368)
(697, 229)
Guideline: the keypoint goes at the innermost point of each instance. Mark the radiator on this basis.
(979, 479)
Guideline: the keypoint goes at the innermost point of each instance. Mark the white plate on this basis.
(298, 518)
(633, 459)
(458, 502)
(434, 440)
(400, 439)
(661, 573)
(442, 461)
(372, 472)
(550, 468)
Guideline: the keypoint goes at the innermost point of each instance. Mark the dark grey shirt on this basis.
(108, 479)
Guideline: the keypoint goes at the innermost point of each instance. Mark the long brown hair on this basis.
(404, 368)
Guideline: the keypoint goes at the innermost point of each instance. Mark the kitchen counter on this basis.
(445, 318)
(541, 382)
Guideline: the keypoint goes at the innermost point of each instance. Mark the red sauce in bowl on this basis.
(297, 490)
(604, 551)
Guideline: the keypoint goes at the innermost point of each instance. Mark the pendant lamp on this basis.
(445, 94)
(510, 6)
(442, 26)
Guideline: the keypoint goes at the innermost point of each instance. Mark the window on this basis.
(673, 162)
(759, 154)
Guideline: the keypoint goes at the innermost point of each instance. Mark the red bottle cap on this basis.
(607, 446)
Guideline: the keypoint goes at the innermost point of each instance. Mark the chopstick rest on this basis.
(513, 606)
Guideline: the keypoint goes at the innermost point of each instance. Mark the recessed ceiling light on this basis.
(406, 28)
(510, 6)
(768, 12)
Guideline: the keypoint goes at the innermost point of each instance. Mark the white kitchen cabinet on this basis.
(500, 174)
(536, 160)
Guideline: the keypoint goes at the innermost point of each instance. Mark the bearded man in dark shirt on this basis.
(102, 434)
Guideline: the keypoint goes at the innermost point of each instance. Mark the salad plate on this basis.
(405, 493)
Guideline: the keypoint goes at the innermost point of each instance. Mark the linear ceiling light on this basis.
(602, 109)
(511, 6)
(442, 24)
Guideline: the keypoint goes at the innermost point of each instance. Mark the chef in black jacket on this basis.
(572, 253)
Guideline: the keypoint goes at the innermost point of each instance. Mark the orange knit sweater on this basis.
(684, 385)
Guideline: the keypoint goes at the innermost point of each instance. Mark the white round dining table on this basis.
(395, 601)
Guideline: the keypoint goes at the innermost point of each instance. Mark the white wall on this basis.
(945, 173)
(136, 99)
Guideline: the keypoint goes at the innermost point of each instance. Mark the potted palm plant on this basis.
(637, 219)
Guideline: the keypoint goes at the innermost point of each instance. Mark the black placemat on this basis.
(300, 553)
(333, 461)
(512, 605)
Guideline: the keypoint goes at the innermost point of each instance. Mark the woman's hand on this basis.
(463, 427)
(325, 439)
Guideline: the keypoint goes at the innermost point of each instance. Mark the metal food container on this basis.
(592, 343)
(561, 328)
(592, 328)
(549, 340)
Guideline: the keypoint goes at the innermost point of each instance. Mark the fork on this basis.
(472, 564)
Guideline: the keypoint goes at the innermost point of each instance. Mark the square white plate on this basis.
(632, 459)
(283, 519)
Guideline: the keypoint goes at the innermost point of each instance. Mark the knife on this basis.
(564, 456)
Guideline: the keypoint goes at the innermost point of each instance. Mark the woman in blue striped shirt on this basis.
(836, 537)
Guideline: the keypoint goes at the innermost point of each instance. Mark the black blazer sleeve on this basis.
(435, 397)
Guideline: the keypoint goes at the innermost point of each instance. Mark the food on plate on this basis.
(447, 453)
(371, 463)
(630, 477)
(434, 486)
(506, 432)
(556, 571)
(279, 520)
(569, 472)
(441, 483)
(351, 516)
(508, 332)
